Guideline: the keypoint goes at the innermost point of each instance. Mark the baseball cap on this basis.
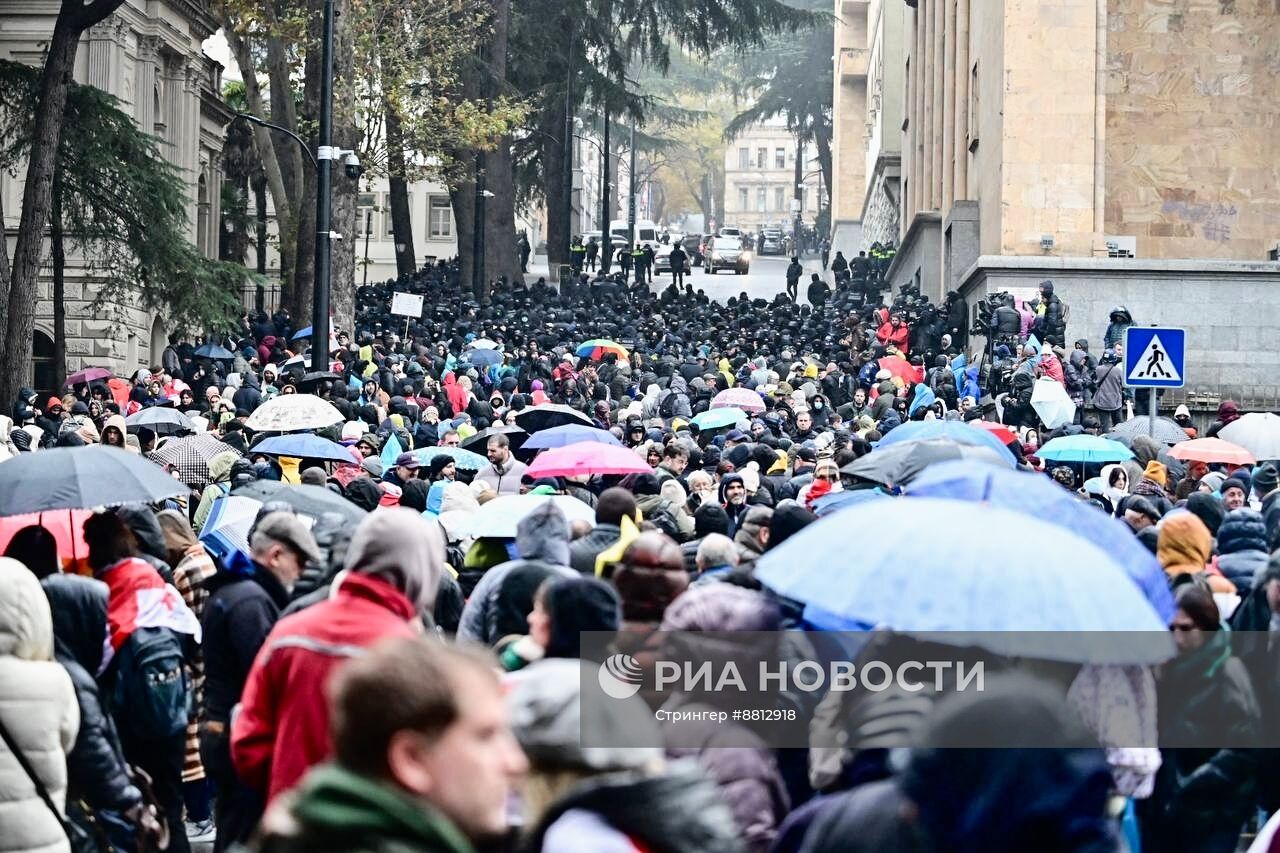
(288, 529)
(735, 435)
(408, 460)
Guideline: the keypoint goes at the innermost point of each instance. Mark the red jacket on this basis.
(898, 337)
(281, 728)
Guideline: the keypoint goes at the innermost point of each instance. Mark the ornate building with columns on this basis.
(148, 55)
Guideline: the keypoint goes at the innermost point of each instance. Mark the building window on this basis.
(762, 157)
(779, 198)
(974, 102)
(743, 197)
(387, 231)
(440, 218)
(779, 158)
(762, 199)
(42, 366)
(744, 158)
(366, 214)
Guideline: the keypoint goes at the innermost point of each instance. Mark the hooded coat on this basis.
(394, 564)
(1242, 547)
(38, 708)
(1184, 547)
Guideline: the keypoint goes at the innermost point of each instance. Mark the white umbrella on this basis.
(1052, 404)
(484, 343)
(1257, 432)
(500, 516)
(290, 412)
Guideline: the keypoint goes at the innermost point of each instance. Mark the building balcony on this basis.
(853, 63)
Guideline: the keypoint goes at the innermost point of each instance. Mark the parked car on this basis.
(771, 243)
(727, 254)
(662, 260)
(730, 231)
(693, 248)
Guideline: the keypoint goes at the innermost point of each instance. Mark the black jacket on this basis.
(241, 610)
(96, 769)
(583, 552)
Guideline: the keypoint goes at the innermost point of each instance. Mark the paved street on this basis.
(766, 278)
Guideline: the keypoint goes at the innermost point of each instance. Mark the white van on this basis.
(646, 231)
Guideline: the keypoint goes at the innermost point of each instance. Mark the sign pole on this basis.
(1151, 413)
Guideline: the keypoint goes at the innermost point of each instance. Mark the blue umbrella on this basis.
(942, 565)
(1084, 449)
(833, 501)
(301, 333)
(465, 459)
(304, 445)
(483, 357)
(957, 431)
(568, 434)
(718, 418)
(215, 351)
(1038, 496)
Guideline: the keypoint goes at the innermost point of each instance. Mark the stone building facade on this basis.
(760, 179)
(148, 55)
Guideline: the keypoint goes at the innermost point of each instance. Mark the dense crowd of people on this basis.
(375, 669)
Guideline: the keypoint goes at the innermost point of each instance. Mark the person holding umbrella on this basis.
(504, 471)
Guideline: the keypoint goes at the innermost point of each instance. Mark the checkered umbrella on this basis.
(190, 456)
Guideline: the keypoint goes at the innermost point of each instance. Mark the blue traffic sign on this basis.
(1155, 358)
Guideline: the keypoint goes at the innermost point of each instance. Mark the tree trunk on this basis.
(260, 209)
(305, 256)
(342, 281)
(500, 255)
(462, 198)
(401, 216)
(4, 273)
(37, 196)
(606, 194)
(823, 141)
(558, 224)
(58, 247)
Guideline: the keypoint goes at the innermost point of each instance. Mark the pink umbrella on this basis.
(1210, 450)
(587, 457)
(742, 398)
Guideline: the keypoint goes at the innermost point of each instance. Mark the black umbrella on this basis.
(81, 478)
(515, 435)
(161, 420)
(215, 351)
(550, 415)
(310, 381)
(314, 501)
(899, 464)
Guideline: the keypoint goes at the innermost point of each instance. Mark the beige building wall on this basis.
(1193, 127)
(849, 111)
(761, 163)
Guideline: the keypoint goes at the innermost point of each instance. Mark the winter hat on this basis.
(1266, 477)
(404, 549)
(372, 466)
(1213, 480)
(577, 604)
(1233, 483)
(1182, 411)
(1208, 509)
(1156, 472)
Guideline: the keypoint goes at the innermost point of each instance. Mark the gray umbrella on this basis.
(161, 420)
(308, 500)
(1166, 430)
(899, 464)
(81, 478)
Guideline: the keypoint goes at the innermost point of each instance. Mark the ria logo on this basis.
(620, 676)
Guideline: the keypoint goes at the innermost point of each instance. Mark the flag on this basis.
(139, 598)
(391, 451)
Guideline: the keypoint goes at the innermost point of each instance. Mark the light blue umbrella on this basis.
(1037, 496)
(957, 431)
(215, 351)
(304, 445)
(718, 418)
(304, 332)
(835, 501)
(483, 357)
(1083, 449)
(464, 459)
(568, 434)
(971, 575)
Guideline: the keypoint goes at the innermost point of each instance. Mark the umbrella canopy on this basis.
(1039, 497)
(303, 445)
(740, 398)
(483, 357)
(901, 463)
(500, 516)
(548, 415)
(957, 431)
(585, 458)
(161, 420)
(914, 575)
(1211, 450)
(1084, 448)
(226, 530)
(568, 434)
(67, 527)
(718, 418)
(515, 435)
(313, 501)
(1257, 432)
(1000, 431)
(903, 369)
(1165, 430)
(81, 478)
(309, 381)
(190, 456)
(89, 374)
(464, 459)
(293, 412)
(215, 351)
(1050, 401)
(835, 501)
(484, 343)
(598, 348)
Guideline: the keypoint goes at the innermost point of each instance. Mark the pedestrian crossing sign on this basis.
(1154, 358)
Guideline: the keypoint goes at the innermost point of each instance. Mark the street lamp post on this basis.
(606, 221)
(325, 155)
(631, 193)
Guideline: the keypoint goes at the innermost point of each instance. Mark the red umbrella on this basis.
(900, 367)
(66, 525)
(1000, 431)
(1211, 450)
(587, 457)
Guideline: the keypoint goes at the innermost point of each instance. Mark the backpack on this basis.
(667, 405)
(151, 696)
